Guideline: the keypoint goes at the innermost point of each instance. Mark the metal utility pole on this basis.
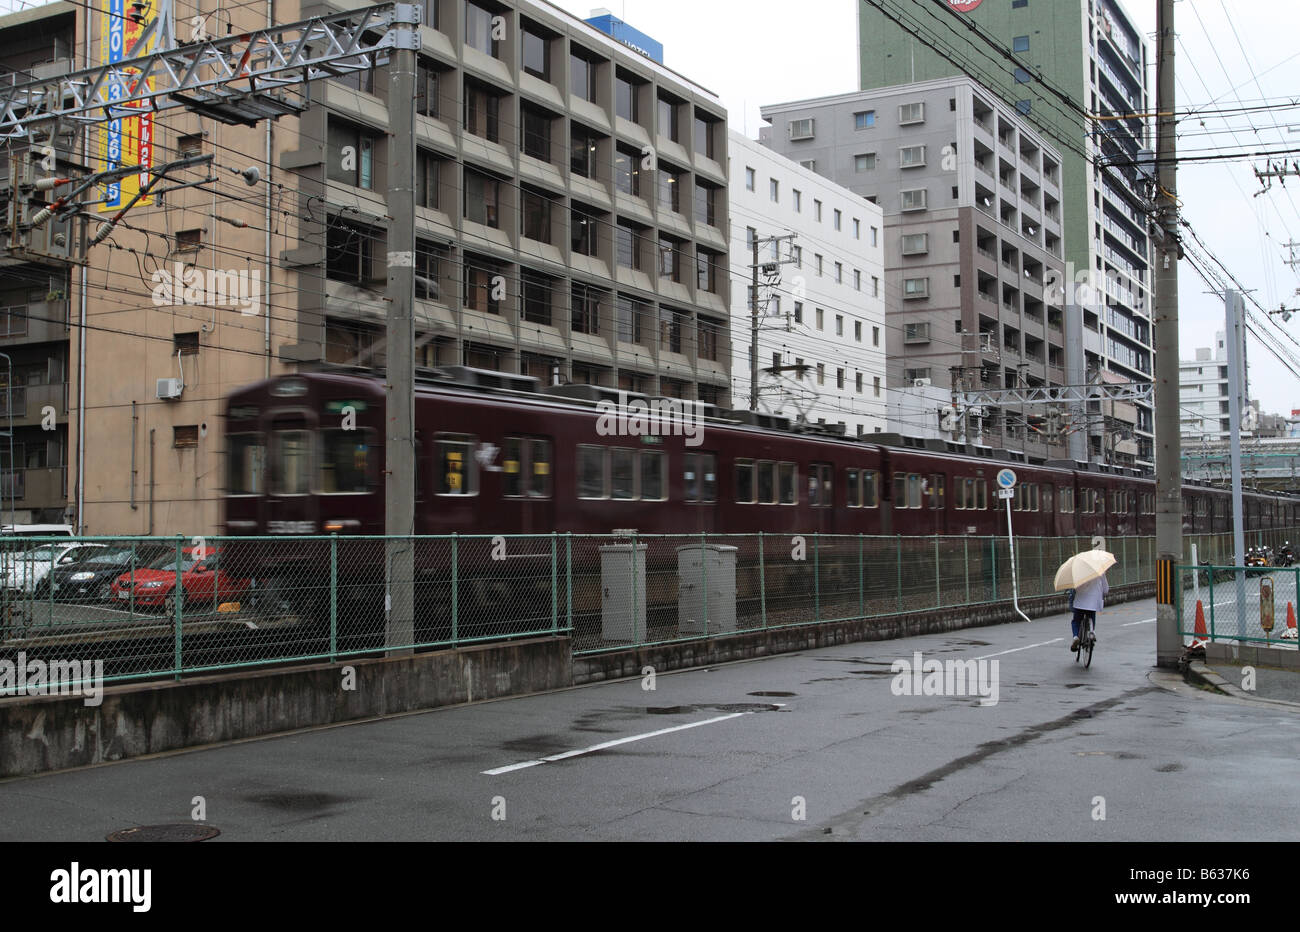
(1234, 309)
(399, 445)
(772, 271)
(1169, 480)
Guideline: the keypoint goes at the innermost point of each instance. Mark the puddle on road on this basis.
(725, 707)
(1170, 768)
(773, 693)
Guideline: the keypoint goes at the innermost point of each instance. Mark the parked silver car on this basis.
(25, 570)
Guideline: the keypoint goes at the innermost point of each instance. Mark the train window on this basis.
(246, 465)
(963, 494)
(455, 463)
(345, 461)
(701, 477)
(623, 474)
(870, 488)
(1049, 493)
(767, 482)
(745, 482)
(1033, 496)
(900, 490)
(936, 491)
(1018, 497)
(981, 494)
(291, 465)
(653, 486)
(526, 468)
(592, 472)
(820, 487)
(788, 483)
(851, 488)
(914, 490)
(1067, 501)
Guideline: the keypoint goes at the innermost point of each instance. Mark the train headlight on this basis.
(340, 526)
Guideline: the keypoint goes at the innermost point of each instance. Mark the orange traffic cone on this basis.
(1290, 632)
(1202, 637)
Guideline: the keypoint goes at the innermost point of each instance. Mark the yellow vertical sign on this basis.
(124, 140)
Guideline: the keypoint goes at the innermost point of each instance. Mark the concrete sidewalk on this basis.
(1270, 675)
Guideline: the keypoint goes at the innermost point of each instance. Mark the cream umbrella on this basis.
(1082, 568)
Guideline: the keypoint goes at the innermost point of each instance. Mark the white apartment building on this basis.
(821, 339)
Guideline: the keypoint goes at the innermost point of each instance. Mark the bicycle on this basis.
(1087, 640)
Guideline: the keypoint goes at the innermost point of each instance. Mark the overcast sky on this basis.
(759, 52)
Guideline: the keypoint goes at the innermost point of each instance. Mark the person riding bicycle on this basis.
(1088, 601)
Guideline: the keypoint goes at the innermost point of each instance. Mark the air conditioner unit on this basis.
(921, 383)
(169, 389)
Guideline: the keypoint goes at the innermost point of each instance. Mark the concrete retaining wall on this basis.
(53, 733)
(611, 665)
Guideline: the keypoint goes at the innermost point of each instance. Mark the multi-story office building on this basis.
(572, 222)
(1091, 52)
(822, 335)
(1203, 394)
(973, 237)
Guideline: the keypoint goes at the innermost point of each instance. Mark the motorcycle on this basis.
(1286, 556)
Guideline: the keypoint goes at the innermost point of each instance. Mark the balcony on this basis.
(35, 488)
(30, 401)
(39, 322)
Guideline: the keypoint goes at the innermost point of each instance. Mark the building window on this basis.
(858, 383)
(819, 266)
(875, 287)
(875, 385)
(709, 333)
(426, 179)
(916, 288)
(875, 336)
(482, 204)
(585, 236)
(536, 215)
(913, 199)
(798, 312)
(427, 257)
(857, 228)
(186, 435)
(839, 219)
(839, 273)
(628, 246)
(627, 170)
(625, 97)
(774, 190)
(839, 325)
(629, 314)
(426, 89)
(348, 253)
(821, 318)
(187, 146)
(857, 279)
(351, 156)
(706, 266)
(668, 119)
(186, 344)
(1022, 76)
(817, 210)
(585, 307)
(915, 243)
(536, 292)
(1024, 106)
(706, 197)
(864, 162)
(1020, 44)
(704, 137)
(1019, 4)
(802, 129)
(750, 178)
(582, 154)
(669, 185)
(857, 330)
(670, 259)
(798, 200)
(839, 378)
(582, 77)
(482, 287)
(537, 132)
(911, 157)
(911, 113)
(875, 236)
(537, 55)
(481, 111)
(478, 29)
(821, 373)
(864, 120)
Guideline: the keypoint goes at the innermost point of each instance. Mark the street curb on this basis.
(1198, 674)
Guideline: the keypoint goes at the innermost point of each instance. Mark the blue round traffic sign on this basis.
(1006, 478)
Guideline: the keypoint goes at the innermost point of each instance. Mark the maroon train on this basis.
(495, 454)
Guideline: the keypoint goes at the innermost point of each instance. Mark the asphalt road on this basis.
(813, 746)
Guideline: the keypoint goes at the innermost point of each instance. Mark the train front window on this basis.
(246, 465)
(291, 466)
(345, 461)
(457, 471)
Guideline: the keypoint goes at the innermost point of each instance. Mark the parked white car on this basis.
(24, 571)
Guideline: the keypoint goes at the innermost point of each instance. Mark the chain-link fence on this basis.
(167, 606)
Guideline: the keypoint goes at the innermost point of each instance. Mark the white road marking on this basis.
(609, 744)
(1026, 647)
(1144, 621)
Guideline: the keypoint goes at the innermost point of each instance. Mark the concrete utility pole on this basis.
(1169, 479)
(399, 446)
(771, 270)
(1234, 310)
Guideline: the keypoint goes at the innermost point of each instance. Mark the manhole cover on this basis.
(181, 831)
(771, 692)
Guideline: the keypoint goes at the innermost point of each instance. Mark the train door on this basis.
(528, 479)
(289, 507)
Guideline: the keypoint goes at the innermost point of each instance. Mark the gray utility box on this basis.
(701, 569)
(622, 587)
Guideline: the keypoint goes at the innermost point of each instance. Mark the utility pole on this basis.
(771, 270)
(399, 446)
(1169, 480)
(1234, 309)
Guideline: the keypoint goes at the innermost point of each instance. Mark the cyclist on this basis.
(1088, 601)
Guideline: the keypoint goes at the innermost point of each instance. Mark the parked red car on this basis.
(202, 582)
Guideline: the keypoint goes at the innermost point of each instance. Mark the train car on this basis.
(498, 454)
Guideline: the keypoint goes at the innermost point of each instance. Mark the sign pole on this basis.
(1006, 480)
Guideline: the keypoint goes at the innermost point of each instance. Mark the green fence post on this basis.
(455, 587)
(762, 583)
(862, 596)
(334, 596)
(898, 570)
(568, 579)
(938, 593)
(1211, 603)
(704, 576)
(1123, 541)
(817, 578)
(965, 564)
(645, 633)
(555, 595)
(993, 551)
(1042, 582)
(178, 596)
